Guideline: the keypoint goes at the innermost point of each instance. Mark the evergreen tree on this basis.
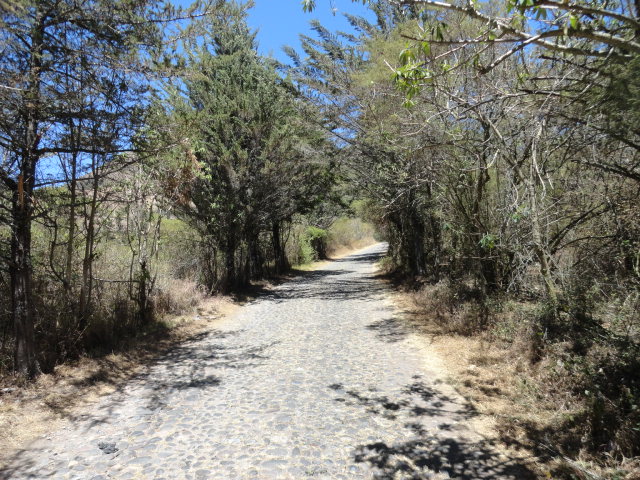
(257, 157)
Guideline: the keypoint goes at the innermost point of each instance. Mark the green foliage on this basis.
(312, 245)
(488, 241)
(257, 153)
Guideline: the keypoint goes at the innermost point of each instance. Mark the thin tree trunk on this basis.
(536, 229)
(72, 225)
(143, 301)
(279, 254)
(21, 268)
(417, 263)
(86, 289)
(230, 276)
(254, 259)
(21, 271)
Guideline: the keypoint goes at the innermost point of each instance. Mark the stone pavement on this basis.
(317, 379)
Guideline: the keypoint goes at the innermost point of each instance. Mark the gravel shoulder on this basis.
(317, 378)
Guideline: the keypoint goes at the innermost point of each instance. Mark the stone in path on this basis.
(318, 379)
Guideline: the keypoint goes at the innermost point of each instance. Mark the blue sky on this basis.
(279, 22)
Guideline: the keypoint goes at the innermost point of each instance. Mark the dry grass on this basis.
(491, 368)
(339, 251)
(485, 372)
(27, 411)
(348, 234)
(30, 410)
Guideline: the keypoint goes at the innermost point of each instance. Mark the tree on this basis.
(54, 56)
(244, 128)
(584, 29)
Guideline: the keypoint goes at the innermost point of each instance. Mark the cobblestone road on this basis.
(318, 379)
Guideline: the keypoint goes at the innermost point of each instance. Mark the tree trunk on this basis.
(144, 312)
(230, 279)
(21, 271)
(21, 268)
(254, 259)
(279, 254)
(417, 264)
(86, 290)
(72, 226)
(539, 247)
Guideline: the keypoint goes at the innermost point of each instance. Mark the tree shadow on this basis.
(195, 366)
(389, 330)
(432, 446)
(185, 367)
(369, 257)
(324, 283)
(327, 285)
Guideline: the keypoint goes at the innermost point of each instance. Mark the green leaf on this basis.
(408, 103)
(541, 13)
(438, 33)
(573, 21)
(308, 5)
(407, 56)
(488, 241)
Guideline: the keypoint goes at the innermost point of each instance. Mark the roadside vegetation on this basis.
(135, 187)
(497, 147)
(149, 158)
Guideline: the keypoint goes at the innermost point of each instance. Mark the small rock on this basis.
(107, 447)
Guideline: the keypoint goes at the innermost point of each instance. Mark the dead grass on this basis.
(491, 368)
(486, 373)
(339, 251)
(29, 410)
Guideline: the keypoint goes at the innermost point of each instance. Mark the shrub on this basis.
(347, 232)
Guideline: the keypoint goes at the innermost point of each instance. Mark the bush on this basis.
(317, 239)
(347, 232)
(175, 296)
(307, 245)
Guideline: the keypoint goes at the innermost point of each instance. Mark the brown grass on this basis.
(491, 368)
(30, 410)
(488, 373)
(339, 251)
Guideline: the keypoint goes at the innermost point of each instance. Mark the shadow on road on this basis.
(362, 257)
(389, 330)
(185, 368)
(327, 284)
(436, 437)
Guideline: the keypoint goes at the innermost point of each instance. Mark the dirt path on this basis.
(317, 379)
